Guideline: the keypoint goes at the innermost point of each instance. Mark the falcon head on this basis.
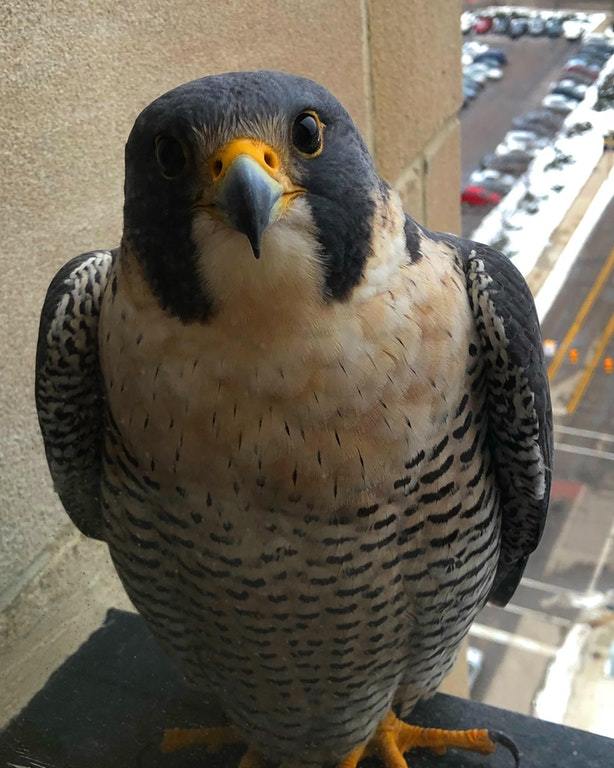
(245, 184)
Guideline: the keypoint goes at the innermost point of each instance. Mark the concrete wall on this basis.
(76, 75)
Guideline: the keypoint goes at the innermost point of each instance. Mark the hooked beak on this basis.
(250, 188)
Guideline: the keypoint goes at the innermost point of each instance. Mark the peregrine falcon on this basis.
(315, 436)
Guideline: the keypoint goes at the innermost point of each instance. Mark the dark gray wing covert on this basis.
(68, 386)
(518, 404)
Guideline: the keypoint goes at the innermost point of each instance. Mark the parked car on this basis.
(491, 72)
(515, 162)
(472, 82)
(589, 71)
(599, 42)
(541, 121)
(594, 49)
(537, 26)
(558, 103)
(500, 25)
(527, 140)
(570, 89)
(584, 60)
(474, 195)
(554, 27)
(470, 87)
(492, 54)
(518, 27)
(469, 93)
(474, 47)
(467, 21)
(482, 25)
(501, 185)
(484, 176)
(602, 48)
(478, 75)
(590, 59)
(523, 135)
(572, 29)
(491, 59)
(503, 148)
(578, 77)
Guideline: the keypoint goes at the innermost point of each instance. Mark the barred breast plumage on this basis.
(324, 547)
(312, 468)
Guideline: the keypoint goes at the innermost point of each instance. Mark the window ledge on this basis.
(109, 702)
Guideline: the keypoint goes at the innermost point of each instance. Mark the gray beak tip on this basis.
(248, 196)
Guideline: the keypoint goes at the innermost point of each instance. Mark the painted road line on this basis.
(605, 437)
(554, 282)
(590, 369)
(502, 637)
(542, 586)
(581, 316)
(545, 618)
(580, 450)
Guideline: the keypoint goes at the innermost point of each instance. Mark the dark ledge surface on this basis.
(108, 704)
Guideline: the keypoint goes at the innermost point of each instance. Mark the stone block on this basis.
(415, 81)
(442, 180)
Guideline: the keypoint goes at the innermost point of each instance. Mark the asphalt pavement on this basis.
(572, 571)
(533, 64)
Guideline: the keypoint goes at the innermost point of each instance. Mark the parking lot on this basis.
(534, 62)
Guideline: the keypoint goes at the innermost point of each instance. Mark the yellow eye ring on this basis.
(308, 133)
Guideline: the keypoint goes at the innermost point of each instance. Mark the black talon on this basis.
(501, 738)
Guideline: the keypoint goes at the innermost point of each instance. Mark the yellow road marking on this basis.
(589, 371)
(581, 316)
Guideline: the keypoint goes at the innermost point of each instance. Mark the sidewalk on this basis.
(592, 697)
(560, 236)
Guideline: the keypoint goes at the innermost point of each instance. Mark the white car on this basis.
(475, 47)
(489, 174)
(495, 73)
(572, 29)
(475, 74)
(492, 73)
(522, 140)
(505, 148)
(558, 103)
(467, 21)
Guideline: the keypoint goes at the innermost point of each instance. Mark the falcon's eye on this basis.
(170, 156)
(307, 133)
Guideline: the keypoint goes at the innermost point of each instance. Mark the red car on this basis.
(476, 195)
(586, 72)
(482, 25)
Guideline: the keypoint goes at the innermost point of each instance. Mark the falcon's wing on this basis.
(518, 404)
(69, 390)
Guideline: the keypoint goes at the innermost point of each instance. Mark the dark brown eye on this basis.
(307, 133)
(170, 156)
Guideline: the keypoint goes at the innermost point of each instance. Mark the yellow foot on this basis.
(212, 739)
(393, 738)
